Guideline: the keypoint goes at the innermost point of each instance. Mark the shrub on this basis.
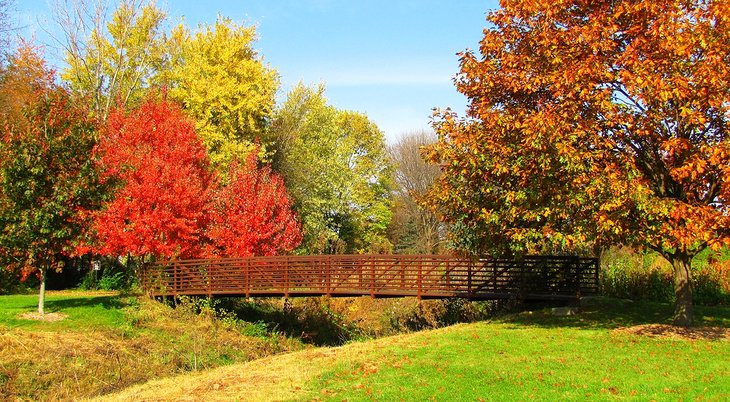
(10, 283)
(630, 274)
(335, 321)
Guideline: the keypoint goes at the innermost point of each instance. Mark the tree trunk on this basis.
(42, 292)
(683, 310)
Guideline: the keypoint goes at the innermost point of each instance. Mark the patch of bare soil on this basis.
(48, 317)
(671, 331)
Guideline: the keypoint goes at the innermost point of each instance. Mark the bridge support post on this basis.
(286, 305)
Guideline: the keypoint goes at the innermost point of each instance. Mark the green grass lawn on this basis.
(528, 356)
(85, 310)
(504, 362)
(518, 357)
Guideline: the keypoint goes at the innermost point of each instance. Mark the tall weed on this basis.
(644, 275)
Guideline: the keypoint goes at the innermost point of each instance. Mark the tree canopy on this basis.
(168, 202)
(223, 85)
(161, 204)
(594, 122)
(252, 214)
(337, 170)
(414, 228)
(112, 63)
(48, 182)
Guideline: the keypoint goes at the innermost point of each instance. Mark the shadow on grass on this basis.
(607, 313)
(107, 302)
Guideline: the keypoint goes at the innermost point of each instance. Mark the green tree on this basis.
(48, 182)
(336, 168)
(224, 85)
(595, 122)
(111, 63)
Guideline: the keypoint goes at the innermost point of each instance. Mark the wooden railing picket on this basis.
(174, 281)
(469, 278)
(419, 281)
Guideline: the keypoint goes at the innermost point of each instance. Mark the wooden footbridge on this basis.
(422, 276)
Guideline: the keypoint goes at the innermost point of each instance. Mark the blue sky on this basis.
(392, 60)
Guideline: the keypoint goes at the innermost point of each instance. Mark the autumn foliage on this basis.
(170, 203)
(593, 123)
(252, 215)
(48, 181)
(161, 205)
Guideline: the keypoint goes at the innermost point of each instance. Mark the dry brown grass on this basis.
(274, 378)
(65, 366)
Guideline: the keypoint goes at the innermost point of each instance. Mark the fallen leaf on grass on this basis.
(672, 331)
(48, 317)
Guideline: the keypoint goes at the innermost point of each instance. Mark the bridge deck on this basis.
(422, 276)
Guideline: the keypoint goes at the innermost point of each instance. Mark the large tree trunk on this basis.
(683, 311)
(42, 293)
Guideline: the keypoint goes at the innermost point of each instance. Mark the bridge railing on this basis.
(423, 276)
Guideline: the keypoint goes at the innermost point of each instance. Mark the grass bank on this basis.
(611, 350)
(107, 342)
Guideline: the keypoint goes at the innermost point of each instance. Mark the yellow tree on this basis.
(111, 62)
(594, 122)
(224, 85)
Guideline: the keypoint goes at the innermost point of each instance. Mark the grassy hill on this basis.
(612, 350)
(130, 348)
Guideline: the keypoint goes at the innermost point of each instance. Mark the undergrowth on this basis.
(336, 321)
(630, 274)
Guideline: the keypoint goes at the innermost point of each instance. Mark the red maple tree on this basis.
(161, 204)
(169, 202)
(253, 215)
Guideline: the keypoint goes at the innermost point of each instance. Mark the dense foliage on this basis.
(252, 214)
(48, 178)
(334, 163)
(594, 122)
(161, 207)
(224, 85)
(112, 63)
(336, 167)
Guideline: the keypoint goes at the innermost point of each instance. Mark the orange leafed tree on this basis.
(593, 122)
